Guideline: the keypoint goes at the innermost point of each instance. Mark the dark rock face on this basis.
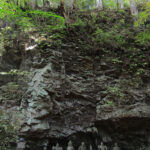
(75, 95)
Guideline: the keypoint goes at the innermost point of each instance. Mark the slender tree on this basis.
(121, 4)
(133, 7)
(33, 4)
(71, 4)
(99, 4)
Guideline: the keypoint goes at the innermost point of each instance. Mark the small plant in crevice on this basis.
(114, 96)
(109, 103)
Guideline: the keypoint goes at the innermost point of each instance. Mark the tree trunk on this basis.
(62, 8)
(121, 4)
(33, 4)
(133, 7)
(99, 4)
(71, 4)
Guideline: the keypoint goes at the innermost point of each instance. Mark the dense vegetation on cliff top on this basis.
(117, 28)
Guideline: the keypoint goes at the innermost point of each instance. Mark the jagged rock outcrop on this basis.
(78, 95)
(70, 94)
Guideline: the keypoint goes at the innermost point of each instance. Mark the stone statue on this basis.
(95, 130)
(57, 147)
(70, 146)
(53, 147)
(106, 148)
(21, 145)
(102, 147)
(91, 147)
(82, 146)
(116, 147)
(45, 146)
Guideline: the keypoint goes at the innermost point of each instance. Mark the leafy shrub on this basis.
(115, 96)
(143, 38)
(112, 38)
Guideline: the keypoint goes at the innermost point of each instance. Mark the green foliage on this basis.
(110, 4)
(30, 18)
(109, 103)
(85, 4)
(135, 61)
(50, 21)
(7, 9)
(112, 37)
(142, 18)
(58, 36)
(143, 15)
(45, 14)
(115, 95)
(18, 72)
(116, 61)
(143, 38)
(79, 23)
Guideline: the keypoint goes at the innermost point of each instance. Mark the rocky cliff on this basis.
(74, 90)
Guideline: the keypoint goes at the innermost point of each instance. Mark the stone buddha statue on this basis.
(57, 147)
(91, 148)
(116, 147)
(82, 146)
(70, 146)
(102, 147)
(45, 146)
